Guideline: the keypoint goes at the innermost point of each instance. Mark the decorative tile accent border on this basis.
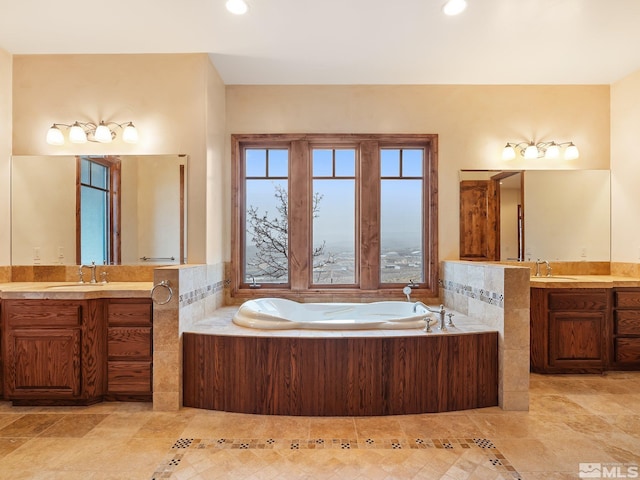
(200, 293)
(495, 459)
(486, 296)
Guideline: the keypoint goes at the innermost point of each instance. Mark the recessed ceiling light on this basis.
(454, 7)
(237, 7)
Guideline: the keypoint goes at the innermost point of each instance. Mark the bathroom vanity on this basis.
(76, 346)
(588, 325)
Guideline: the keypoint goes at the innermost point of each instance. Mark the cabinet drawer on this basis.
(40, 314)
(629, 299)
(627, 350)
(127, 342)
(129, 377)
(129, 313)
(627, 322)
(588, 300)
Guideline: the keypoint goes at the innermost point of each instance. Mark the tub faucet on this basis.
(93, 273)
(441, 311)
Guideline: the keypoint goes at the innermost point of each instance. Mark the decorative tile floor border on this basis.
(495, 459)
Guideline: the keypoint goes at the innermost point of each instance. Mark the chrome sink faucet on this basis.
(543, 262)
(93, 273)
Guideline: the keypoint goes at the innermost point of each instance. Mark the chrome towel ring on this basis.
(164, 284)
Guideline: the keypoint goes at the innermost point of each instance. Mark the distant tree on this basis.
(271, 237)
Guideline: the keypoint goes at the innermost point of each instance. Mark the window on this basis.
(334, 214)
(266, 222)
(98, 224)
(333, 208)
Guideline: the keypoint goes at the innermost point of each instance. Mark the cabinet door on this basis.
(45, 362)
(576, 340)
(479, 220)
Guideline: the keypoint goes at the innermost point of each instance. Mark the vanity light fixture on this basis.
(237, 7)
(80, 132)
(548, 150)
(454, 7)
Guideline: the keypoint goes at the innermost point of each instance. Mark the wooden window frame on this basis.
(114, 164)
(367, 214)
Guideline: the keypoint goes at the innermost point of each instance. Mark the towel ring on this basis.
(165, 284)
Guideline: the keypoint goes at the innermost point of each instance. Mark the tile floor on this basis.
(573, 419)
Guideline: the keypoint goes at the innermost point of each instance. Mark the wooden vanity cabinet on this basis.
(569, 331)
(53, 351)
(76, 352)
(129, 349)
(625, 331)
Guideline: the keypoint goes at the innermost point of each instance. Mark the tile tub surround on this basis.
(197, 292)
(496, 295)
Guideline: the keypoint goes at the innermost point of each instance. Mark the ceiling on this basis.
(349, 41)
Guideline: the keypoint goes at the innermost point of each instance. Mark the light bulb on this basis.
(103, 134)
(130, 133)
(572, 152)
(77, 134)
(237, 7)
(552, 152)
(531, 152)
(54, 136)
(454, 7)
(509, 153)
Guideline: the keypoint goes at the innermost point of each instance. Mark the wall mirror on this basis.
(46, 216)
(555, 215)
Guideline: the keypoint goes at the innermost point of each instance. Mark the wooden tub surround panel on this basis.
(356, 376)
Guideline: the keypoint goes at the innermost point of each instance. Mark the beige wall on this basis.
(218, 193)
(5, 157)
(164, 95)
(625, 169)
(473, 124)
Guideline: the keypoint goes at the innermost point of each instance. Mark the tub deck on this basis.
(338, 373)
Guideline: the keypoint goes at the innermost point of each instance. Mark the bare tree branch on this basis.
(270, 236)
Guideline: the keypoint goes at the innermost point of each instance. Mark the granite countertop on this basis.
(584, 281)
(74, 290)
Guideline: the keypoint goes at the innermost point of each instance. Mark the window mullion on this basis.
(369, 217)
(299, 215)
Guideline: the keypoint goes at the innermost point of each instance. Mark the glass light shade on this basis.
(237, 7)
(531, 152)
(55, 136)
(509, 153)
(103, 134)
(572, 152)
(552, 152)
(454, 7)
(77, 134)
(130, 133)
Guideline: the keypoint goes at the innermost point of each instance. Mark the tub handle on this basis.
(164, 284)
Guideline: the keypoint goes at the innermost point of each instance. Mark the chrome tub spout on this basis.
(441, 311)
